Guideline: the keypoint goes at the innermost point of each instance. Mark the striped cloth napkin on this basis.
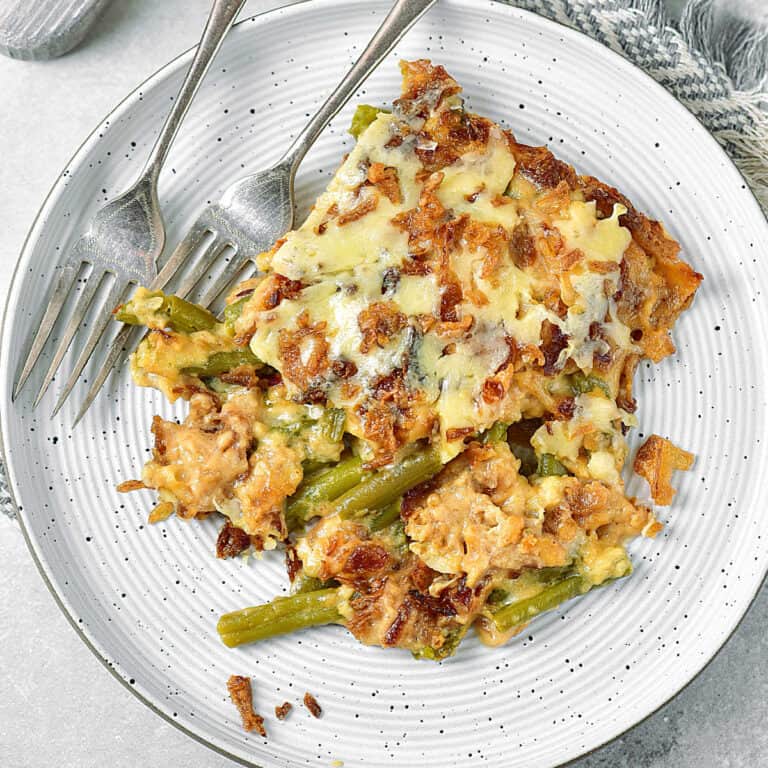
(714, 59)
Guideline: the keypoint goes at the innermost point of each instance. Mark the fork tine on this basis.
(181, 252)
(56, 302)
(120, 346)
(222, 281)
(83, 302)
(115, 358)
(202, 265)
(115, 293)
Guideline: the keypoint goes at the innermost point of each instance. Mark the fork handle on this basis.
(220, 19)
(404, 14)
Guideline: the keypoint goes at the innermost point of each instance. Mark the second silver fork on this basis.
(258, 209)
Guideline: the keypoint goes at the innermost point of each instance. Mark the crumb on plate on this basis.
(310, 702)
(656, 460)
(282, 711)
(240, 692)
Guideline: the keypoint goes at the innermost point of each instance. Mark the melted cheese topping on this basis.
(352, 241)
(597, 239)
(371, 239)
(472, 184)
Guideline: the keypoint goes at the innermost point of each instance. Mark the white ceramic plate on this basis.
(146, 598)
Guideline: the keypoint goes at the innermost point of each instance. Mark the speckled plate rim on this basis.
(6, 381)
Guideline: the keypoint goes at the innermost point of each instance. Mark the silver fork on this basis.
(256, 210)
(125, 237)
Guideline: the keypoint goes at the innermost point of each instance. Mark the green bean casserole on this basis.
(424, 395)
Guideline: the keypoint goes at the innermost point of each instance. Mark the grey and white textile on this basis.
(715, 61)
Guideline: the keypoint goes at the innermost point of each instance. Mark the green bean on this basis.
(233, 311)
(521, 611)
(527, 457)
(182, 316)
(552, 574)
(497, 597)
(385, 486)
(326, 486)
(364, 115)
(519, 438)
(386, 517)
(222, 362)
(280, 606)
(581, 384)
(549, 465)
(187, 317)
(313, 467)
(312, 584)
(558, 589)
(124, 314)
(497, 433)
(332, 424)
(535, 578)
(281, 616)
(448, 648)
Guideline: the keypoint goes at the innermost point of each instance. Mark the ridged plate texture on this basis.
(147, 597)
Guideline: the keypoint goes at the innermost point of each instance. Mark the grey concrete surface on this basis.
(58, 706)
